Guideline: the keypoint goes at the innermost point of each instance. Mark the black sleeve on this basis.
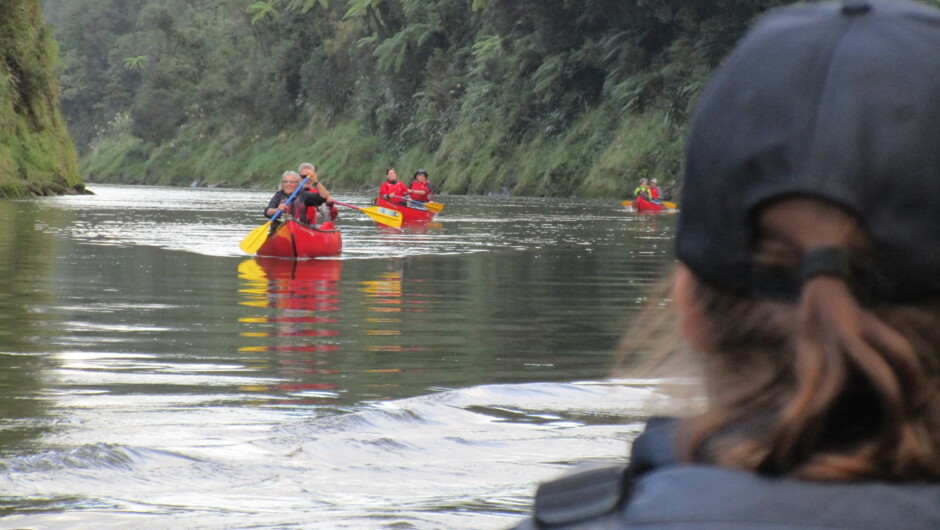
(311, 198)
(273, 203)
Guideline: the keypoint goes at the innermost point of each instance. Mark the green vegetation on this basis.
(36, 154)
(536, 97)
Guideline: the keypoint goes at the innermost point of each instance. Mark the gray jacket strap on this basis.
(580, 495)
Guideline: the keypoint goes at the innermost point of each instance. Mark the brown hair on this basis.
(823, 388)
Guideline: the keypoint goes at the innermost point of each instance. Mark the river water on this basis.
(155, 376)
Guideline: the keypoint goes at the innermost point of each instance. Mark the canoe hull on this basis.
(642, 205)
(408, 215)
(294, 240)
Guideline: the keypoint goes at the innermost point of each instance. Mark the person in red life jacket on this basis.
(325, 212)
(393, 189)
(298, 207)
(654, 189)
(420, 187)
(654, 192)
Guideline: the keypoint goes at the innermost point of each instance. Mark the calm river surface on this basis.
(155, 376)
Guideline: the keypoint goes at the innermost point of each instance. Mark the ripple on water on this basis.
(94, 456)
(460, 458)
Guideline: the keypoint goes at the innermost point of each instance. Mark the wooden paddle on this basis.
(382, 216)
(257, 237)
(434, 207)
(667, 204)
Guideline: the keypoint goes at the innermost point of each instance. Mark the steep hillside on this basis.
(523, 97)
(37, 156)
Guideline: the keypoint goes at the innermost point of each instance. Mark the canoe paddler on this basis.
(298, 207)
(643, 190)
(654, 191)
(325, 212)
(393, 189)
(420, 187)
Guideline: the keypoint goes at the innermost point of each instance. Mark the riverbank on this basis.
(37, 156)
(602, 154)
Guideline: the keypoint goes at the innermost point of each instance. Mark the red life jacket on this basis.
(298, 210)
(396, 188)
(313, 215)
(426, 186)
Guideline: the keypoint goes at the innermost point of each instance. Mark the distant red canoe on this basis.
(642, 205)
(408, 215)
(295, 240)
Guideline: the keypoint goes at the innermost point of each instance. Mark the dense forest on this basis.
(534, 97)
(37, 156)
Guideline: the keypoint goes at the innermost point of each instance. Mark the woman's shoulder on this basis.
(657, 491)
(708, 498)
(721, 498)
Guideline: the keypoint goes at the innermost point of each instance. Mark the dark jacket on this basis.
(655, 492)
(298, 209)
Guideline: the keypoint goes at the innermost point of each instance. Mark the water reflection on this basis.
(302, 285)
(423, 379)
(304, 295)
(24, 266)
(413, 227)
(648, 222)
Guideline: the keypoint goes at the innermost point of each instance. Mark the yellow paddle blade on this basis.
(255, 238)
(383, 216)
(435, 207)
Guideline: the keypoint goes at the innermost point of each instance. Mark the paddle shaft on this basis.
(346, 205)
(433, 207)
(383, 218)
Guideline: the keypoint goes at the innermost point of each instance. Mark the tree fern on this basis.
(306, 5)
(263, 9)
(135, 63)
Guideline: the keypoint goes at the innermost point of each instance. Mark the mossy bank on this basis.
(37, 156)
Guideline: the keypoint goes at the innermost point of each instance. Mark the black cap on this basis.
(839, 101)
(420, 172)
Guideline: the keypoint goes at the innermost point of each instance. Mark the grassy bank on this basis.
(601, 155)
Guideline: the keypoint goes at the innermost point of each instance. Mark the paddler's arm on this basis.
(321, 189)
(274, 206)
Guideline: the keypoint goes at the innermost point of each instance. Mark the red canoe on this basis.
(295, 240)
(412, 215)
(642, 205)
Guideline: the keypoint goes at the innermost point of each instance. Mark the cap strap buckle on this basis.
(826, 261)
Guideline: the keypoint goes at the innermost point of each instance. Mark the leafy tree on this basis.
(469, 83)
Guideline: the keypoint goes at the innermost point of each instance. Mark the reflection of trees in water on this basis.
(25, 263)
